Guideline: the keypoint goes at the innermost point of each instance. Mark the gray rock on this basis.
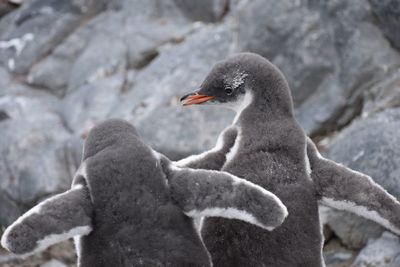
(330, 52)
(16, 2)
(152, 102)
(10, 209)
(6, 7)
(337, 257)
(54, 263)
(91, 103)
(150, 10)
(293, 36)
(206, 10)
(32, 149)
(5, 79)
(60, 62)
(342, 93)
(37, 27)
(352, 230)
(10, 86)
(5, 258)
(73, 148)
(324, 216)
(382, 252)
(107, 43)
(388, 13)
(104, 57)
(383, 95)
(371, 146)
(4, 115)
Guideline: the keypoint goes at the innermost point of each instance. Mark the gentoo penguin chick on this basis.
(269, 149)
(129, 206)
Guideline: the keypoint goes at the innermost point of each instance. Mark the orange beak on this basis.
(195, 99)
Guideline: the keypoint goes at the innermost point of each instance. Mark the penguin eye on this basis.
(228, 91)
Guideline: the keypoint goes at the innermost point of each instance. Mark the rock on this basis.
(3, 115)
(352, 230)
(90, 67)
(388, 14)
(324, 214)
(33, 154)
(10, 209)
(60, 255)
(73, 149)
(152, 102)
(337, 255)
(16, 2)
(323, 60)
(107, 43)
(381, 252)
(54, 263)
(206, 10)
(371, 146)
(383, 95)
(37, 27)
(92, 103)
(337, 258)
(359, 71)
(5, 79)
(306, 66)
(60, 61)
(6, 7)
(151, 10)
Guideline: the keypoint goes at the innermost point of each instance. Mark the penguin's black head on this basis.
(225, 84)
(107, 133)
(241, 80)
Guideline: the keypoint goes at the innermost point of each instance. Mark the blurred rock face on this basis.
(371, 146)
(388, 14)
(324, 49)
(380, 252)
(65, 65)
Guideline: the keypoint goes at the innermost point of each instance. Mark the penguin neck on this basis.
(246, 102)
(256, 112)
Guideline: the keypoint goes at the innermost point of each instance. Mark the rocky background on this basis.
(64, 65)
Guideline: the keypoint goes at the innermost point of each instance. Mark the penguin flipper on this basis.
(215, 158)
(207, 193)
(53, 220)
(342, 188)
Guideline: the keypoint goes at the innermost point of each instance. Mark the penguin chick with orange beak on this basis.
(267, 146)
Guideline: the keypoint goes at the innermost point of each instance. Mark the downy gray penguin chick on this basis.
(129, 206)
(268, 147)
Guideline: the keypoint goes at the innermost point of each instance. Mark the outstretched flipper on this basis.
(215, 158)
(342, 188)
(54, 220)
(207, 193)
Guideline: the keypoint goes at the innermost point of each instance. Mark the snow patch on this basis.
(18, 43)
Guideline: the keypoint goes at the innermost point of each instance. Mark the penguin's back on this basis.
(135, 223)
